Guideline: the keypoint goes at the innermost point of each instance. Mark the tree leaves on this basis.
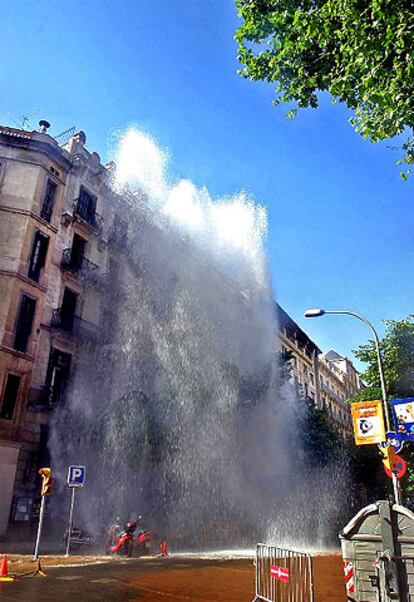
(360, 51)
(397, 349)
(398, 358)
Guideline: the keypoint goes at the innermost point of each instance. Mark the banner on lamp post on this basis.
(368, 422)
(403, 414)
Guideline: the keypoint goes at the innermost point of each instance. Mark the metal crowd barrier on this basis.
(283, 575)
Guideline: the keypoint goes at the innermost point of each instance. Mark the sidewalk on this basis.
(20, 564)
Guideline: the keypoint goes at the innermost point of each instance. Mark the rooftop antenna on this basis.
(23, 125)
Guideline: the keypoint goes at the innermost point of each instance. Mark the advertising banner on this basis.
(403, 414)
(368, 421)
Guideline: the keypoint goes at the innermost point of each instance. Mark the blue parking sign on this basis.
(76, 476)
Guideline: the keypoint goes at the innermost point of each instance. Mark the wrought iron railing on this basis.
(73, 325)
(46, 212)
(82, 267)
(331, 392)
(89, 216)
(46, 398)
(117, 238)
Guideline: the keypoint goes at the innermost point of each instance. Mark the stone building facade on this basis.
(63, 244)
(54, 257)
(327, 378)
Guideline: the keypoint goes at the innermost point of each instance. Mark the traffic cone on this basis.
(3, 570)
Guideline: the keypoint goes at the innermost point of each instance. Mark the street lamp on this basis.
(316, 313)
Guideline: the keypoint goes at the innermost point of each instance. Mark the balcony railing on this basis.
(73, 325)
(46, 212)
(87, 215)
(82, 267)
(118, 239)
(330, 392)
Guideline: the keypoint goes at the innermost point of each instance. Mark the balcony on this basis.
(87, 214)
(85, 269)
(73, 326)
(46, 398)
(118, 239)
(330, 392)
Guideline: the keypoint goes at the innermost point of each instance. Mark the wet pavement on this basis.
(172, 579)
(141, 580)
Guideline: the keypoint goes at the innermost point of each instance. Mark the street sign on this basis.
(403, 414)
(401, 468)
(368, 421)
(76, 476)
(280, 573)
(393, 439)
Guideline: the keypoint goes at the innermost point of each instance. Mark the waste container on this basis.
(378, 554)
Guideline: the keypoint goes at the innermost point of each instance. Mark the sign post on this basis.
(76, 478)
(39, 528)
(45, 473)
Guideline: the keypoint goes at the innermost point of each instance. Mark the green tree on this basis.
(320, 438)
(397, 347)
(322, 444)
(360, 51)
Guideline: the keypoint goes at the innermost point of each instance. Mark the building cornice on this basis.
(37, 164)
(35, 141)
(25, 356)
(27, 213)
(24, 279)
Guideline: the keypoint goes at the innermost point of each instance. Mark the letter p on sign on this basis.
(76, 476)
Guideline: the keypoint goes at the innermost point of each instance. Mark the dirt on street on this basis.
(21, 564)
(233, 581)
(328, 576)
(172, 579)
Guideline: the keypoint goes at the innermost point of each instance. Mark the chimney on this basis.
(43, 126)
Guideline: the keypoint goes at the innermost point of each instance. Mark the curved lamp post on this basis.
(316, 313)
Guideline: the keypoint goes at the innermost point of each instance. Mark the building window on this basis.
(11, 391)
(312, 378)
(38, 256)
(57, 375)
(68, 309)
(24, 323)
(77, 252)
(119, 232)
(49, 200)
(86, 206)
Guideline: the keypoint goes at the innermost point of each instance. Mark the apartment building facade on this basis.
(329, 379)
(54, 259)
(63, 248)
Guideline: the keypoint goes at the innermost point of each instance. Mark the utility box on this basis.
(378, 554)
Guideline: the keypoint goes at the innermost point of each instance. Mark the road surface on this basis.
(173, 579)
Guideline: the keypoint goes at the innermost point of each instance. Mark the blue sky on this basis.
(341, 220)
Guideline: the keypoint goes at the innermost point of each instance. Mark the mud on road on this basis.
(173, 579)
